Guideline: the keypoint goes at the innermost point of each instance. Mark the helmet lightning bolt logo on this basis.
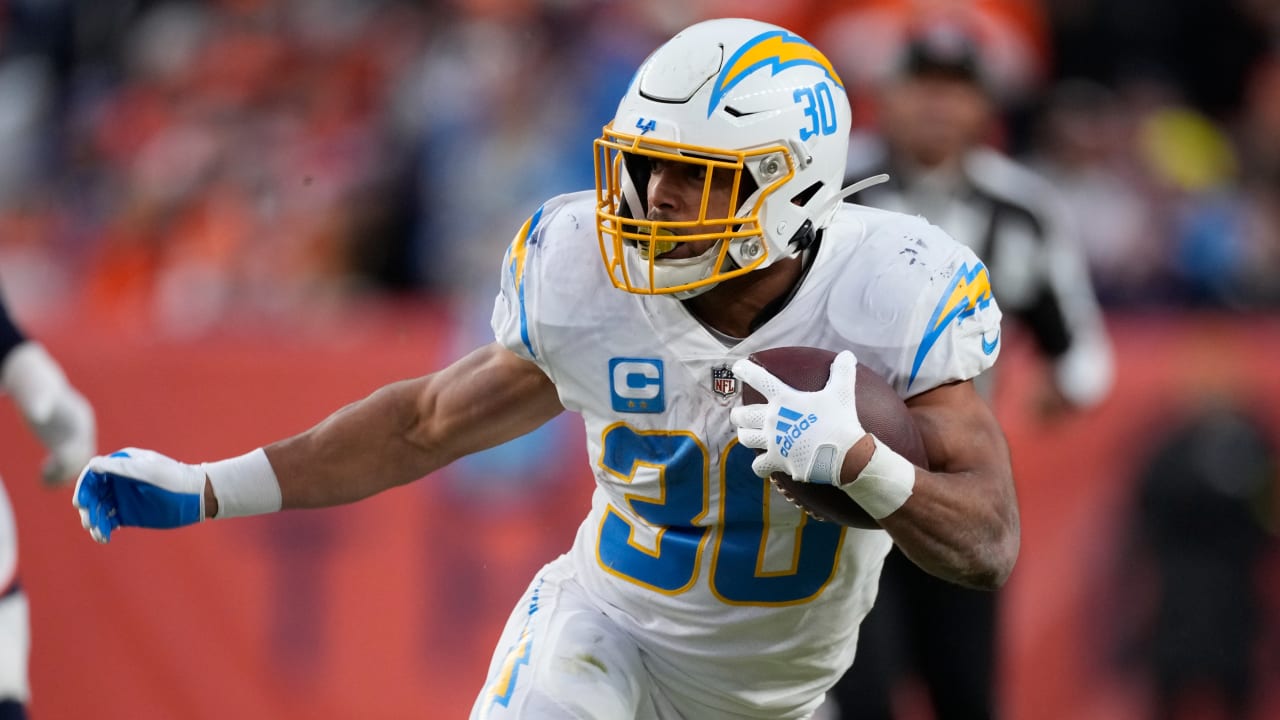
(776, 50)
(969, 291)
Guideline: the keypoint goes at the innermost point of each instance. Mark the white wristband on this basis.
(884, 484)
(244, 485)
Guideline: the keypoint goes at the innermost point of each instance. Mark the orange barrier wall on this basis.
(390, 608)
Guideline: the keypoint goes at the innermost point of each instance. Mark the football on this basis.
(880, 410)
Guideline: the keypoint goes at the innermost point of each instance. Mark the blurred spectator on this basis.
(1216, 233)
(1201, 523)
(1080, 148)
(1260, 182)
(1193, 169)
(935, 114)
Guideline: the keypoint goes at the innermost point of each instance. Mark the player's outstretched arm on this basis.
(961, 521)
(401, 432)
(409, 429)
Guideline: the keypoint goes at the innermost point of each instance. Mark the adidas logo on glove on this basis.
(791, 431)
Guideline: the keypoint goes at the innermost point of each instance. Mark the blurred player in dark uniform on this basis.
(1201, 529)
(936, 112)
(63, 421)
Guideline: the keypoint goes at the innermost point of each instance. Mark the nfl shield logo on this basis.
(723, 381)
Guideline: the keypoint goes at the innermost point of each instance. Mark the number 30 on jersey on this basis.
(677, 518)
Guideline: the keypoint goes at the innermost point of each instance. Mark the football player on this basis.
(64, 423)
(692, 590)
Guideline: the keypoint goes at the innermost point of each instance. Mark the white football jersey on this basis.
(736, 597)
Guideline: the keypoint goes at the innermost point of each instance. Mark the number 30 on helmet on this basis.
(736, 96)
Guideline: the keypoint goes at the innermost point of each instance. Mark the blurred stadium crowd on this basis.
(170, 165)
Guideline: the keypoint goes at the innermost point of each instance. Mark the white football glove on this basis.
(803, 434)
(138, 488)
(56, 412)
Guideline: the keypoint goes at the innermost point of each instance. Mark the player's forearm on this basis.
(952, 528)
(364, 448)
(959, 518)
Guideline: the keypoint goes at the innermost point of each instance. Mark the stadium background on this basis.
(229, 218)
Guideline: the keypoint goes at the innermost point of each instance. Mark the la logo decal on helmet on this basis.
(754, 106)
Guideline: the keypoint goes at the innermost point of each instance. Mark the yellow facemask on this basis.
(617, 200)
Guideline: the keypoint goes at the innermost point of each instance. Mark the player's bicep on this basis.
(960, 433)
(485, 399)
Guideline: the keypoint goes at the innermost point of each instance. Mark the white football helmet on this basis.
(731, 95)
